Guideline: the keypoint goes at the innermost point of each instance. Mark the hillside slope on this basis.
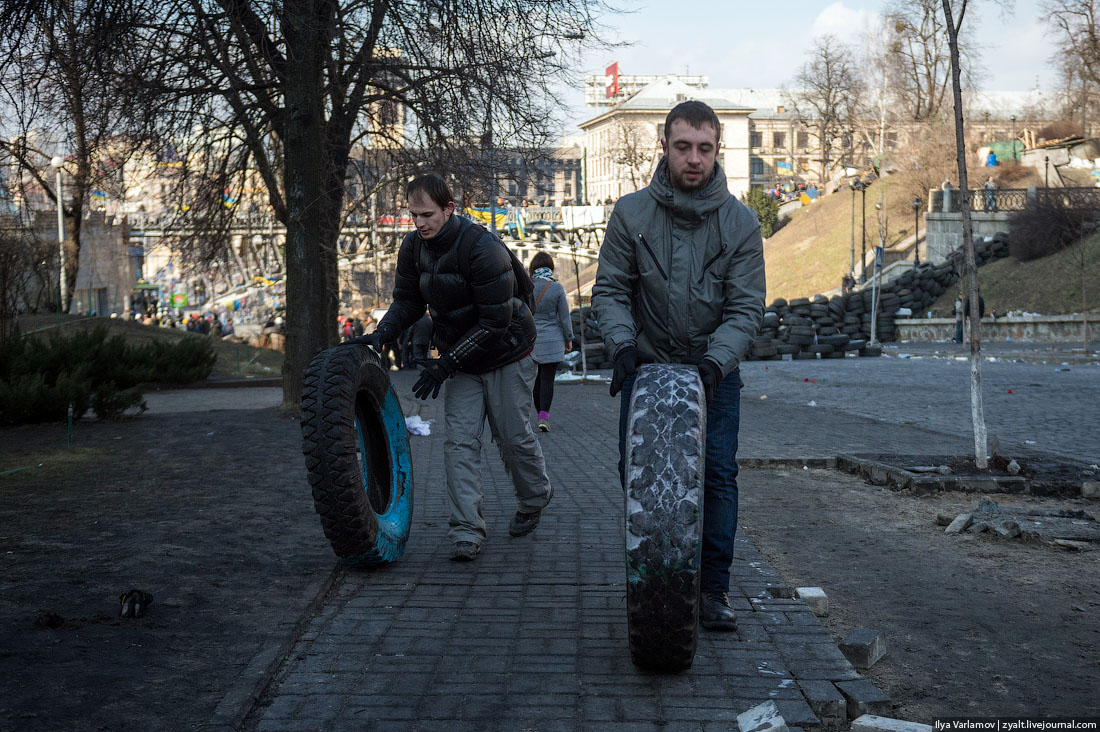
(1051, 285)
(811, 253)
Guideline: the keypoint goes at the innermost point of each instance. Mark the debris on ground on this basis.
(1069, 529)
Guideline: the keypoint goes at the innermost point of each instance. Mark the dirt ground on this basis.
(975, 625)
(209, 512)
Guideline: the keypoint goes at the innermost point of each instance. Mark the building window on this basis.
(756, 139)
(779, 139)
(757, 166)
(803, 139)
(568, 189)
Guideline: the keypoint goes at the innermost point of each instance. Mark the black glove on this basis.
(383, 334)
(626, 363)
(711, 374)
(436, 371)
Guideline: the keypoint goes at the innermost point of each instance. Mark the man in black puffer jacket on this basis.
(485, 333)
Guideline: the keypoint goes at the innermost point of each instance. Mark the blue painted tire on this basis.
(357, 456)
(664, 461)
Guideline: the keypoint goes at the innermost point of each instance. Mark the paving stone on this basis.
(864, 647)
(875, 723)
(815, 598)
(959, 524)
(1090, 489)
(863, 697)
(825, 700)
(762, 718)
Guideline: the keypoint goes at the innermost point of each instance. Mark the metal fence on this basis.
(1016, 199)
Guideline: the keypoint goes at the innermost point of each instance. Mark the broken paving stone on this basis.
(815, 598)
(1090, 489)
(864, 647)
(961, 523)
(944, 519)
(762, 718)
(1013, 468)
(1077, 546)
(1007, 529)
(978, 527)
(875, 723)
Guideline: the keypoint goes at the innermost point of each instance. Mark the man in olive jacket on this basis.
(681, 280)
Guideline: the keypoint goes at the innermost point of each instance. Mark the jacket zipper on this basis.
(641, 238)
(712, 261)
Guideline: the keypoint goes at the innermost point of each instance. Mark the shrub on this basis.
(766, 208)
(1045, 227)
(40, 378)
(1058, 130)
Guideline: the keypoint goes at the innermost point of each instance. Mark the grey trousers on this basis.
(504, 396)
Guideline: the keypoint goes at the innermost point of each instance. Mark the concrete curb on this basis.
(897, 478)
(238, 702)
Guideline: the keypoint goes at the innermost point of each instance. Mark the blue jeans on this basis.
(720, 479)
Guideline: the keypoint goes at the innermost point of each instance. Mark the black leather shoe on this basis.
(716, 613)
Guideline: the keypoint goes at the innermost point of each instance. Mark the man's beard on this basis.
(681, 183)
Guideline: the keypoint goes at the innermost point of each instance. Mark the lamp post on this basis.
(852, 257)
(1046, 171)
(916, 230)
(63, 285)
(862, 187)
(1013, 118)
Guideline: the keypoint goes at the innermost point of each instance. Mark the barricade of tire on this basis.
(356, 448)
(664, 462)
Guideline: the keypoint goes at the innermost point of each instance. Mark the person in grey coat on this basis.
(681, 280)
(554, 333)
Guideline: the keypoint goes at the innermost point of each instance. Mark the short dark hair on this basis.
(541, 259)
(432, 186)
(696, 114)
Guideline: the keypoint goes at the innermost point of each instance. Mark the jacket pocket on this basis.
(652, 255)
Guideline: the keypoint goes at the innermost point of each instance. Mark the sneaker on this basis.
(465, 551)
(524, 522)
(716, 613)
(544, 424)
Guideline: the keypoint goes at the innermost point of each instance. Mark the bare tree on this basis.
(288, 87)
(1075, 27)
(919, 58)
(977, 410)
(63, 71)
(634, 149)
(826, 95)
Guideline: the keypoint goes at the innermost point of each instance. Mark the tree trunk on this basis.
(311, 228)
(977, 413)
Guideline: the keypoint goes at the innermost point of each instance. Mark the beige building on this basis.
(622, 145)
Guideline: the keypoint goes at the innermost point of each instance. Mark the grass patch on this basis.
(810, 254)
(1050, 285)
(50, 467)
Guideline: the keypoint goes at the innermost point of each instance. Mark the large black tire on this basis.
(357, 455)
(665, 452)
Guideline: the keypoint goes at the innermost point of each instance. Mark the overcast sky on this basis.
(762, 44)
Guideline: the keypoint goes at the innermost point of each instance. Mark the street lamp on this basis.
(862, 188)
(1046, 171)
(56, 164)
(852, 257)
(1013, 118)
(916, 230)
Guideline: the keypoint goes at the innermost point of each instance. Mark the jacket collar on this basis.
(692, 206)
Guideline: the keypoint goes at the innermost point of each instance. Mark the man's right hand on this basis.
(626, 363)
(382, 335)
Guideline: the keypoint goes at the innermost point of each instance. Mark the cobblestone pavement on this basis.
(1048, 410)
(532, 635)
